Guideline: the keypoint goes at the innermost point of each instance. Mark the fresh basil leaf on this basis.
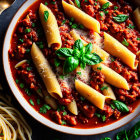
(64, 52)
(134, 132)
(70, 64)
(107, 138)
(97, 115)
(77, 3)
(46, 15)
(122, 135)
(120, 106)
(76, 53)
(78, 45)
(131, 26)
(112, 106)
(91, 59)
(88, 48)
(103, 118)
(121, 18)
(57, 62)
(105, 6)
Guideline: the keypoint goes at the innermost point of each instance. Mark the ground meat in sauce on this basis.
(29, 30)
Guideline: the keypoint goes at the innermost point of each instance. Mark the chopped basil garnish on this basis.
(21, 85)
(99, 68)
(81, 26)
(28, 50)
(112, 106)
(33, 25)
(62, 77)
(70, 23)
(44, 108)
(106, 12)
(121, 18)
(31, 102)
(21, 40)
(124, 42)
(57, 62)
(104, 87)
(79, 55)
(38, 101)
(105, 6)
(120, 106)
(1, 134)
(29, 68)
(63, 22)
(101, 14)
(77, 3)
(46, 15)
(28, 92)
(64, 113)
(74, 26)
(82, 98)
(27, 30)
(53, 2)
(95, 3)
(71, 19)
(103, 117)
(115, 7)
(46, 3)
(17, 81)
(138, 38)
(63, 123)
(86, 0)
(97, 115)
(131, 26)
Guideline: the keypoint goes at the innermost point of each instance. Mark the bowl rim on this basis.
(30, 110)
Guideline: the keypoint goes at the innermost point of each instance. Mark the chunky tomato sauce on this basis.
(29, 29)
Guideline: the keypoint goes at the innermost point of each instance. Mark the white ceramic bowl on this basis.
(29, 108)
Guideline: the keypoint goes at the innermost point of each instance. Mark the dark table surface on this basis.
(41, 132)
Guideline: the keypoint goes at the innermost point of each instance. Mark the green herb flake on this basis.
(38, 101)
(106, 12)
(46, 15)
(64, 113)
(31, 102)
(103, 118)
(121, 18)
(86, 0)
(21, 40)
(62, 108)
(46, 3)
(115, 7)
(41, 46)
(105, 6)
(70, 23)
(29, 68)
(138, 38)
(79, 73)
(21, 85)
(124, 42)
(33, 25)
(74, 26)
(95, 3)
(82, 98)
(71, 19)
(53, 2)
(77, 3)
(44, 109)
(63, 122)
(17, 81)
(63, 22)
(131, 26)
(97, 115)
(28, 92)
(81, 26)
(101, 14)
(104, 87)
(27, 30)
(28, 50)
(99, 68)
